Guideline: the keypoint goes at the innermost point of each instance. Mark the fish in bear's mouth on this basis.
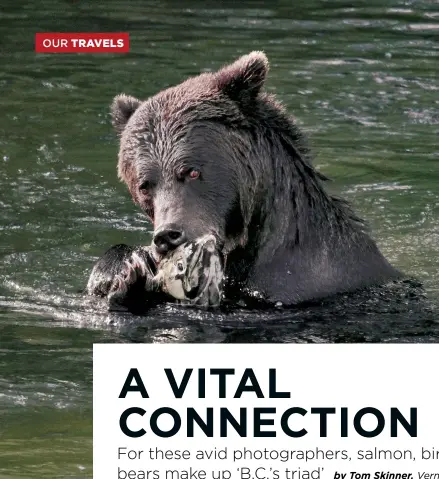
(193, 273)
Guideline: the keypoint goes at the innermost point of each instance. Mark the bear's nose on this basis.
(168, 238)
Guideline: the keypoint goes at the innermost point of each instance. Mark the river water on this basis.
(361, 77)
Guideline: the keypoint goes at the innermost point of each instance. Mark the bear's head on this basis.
(198, 157)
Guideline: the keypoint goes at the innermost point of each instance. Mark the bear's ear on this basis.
(122, 108)
(243, 79)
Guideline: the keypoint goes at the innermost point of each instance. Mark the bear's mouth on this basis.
(193, 272)
(221, 247)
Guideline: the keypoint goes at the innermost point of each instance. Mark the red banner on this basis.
(82, 42)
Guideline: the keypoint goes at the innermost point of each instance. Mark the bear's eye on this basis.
(193, 174)
(145, 188)
(188, 174)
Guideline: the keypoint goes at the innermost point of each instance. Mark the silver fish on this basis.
(193, 273)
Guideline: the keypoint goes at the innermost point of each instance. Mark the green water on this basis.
(362, 79)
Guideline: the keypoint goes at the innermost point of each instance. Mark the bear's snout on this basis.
(168, 237)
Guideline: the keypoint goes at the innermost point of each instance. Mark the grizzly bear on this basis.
(217, 155)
